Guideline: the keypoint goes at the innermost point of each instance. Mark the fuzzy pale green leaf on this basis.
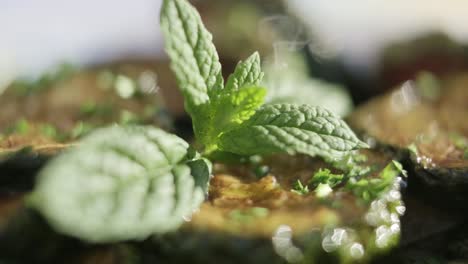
(121, 183)
(247, 73)
(194, 59)
(235, 106)
(287, 128)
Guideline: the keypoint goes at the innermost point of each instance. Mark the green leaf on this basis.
(247, 73)
(290, 82)
(291, 129)
(201, 170)
(325, 176)
(235, 106)
(299, 188)
(370, 189)
(121, 183)
(194, 59)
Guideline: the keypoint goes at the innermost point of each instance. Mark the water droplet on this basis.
(148, 82)
(334, 239)
(356, 250)
(405, 98)
(400, 209)
(283, 245)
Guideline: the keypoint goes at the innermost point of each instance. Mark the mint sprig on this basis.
(229, 118)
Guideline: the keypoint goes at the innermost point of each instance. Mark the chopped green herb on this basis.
(351, 165)
(324, 176)
(299, 188)
(370, 189)
(20, 127)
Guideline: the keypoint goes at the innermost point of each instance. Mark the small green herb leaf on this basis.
(352, 164)
(370, 189)
(236, 106)
(194, 59)
(291, 129)
(299, 188)
(247, 73)
(325, 176)
(121, 183)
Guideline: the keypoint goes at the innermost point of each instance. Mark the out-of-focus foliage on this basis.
(288, 81)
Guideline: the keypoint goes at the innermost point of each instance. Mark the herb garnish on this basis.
(325, 176)
(299, 188)
(322, 182)
(370, 189)
(231, 118)
(130, 182)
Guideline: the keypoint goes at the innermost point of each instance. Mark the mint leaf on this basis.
(121, 183)
(247, 73)
(291, 129)
(241, 97)
(194, 59)
(234, 107)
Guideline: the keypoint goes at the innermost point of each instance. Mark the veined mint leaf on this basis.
(247, 73)
(237, 102)
(194, 59)
(291, 129)
(121, 183)
(235, 106)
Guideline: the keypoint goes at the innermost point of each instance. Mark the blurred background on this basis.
(109, 54)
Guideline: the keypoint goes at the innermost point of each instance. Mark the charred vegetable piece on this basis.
(430, 131)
